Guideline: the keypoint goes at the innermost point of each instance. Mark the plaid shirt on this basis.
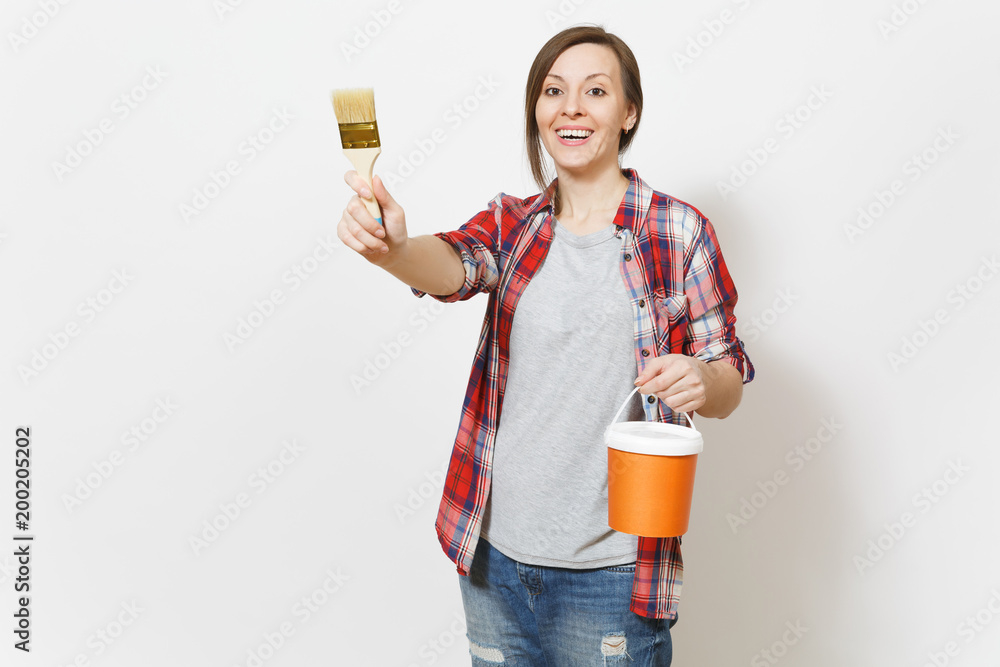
(682, 298)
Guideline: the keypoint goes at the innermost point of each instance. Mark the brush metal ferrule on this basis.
(359, 135)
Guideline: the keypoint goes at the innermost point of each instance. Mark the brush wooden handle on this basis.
(363, 160)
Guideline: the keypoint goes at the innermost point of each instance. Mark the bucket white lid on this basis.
(655, 438)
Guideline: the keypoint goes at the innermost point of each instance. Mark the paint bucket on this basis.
(651, 475)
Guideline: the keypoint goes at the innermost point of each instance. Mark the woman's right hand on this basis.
(379, 244)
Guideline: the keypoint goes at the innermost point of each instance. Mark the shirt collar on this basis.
(631, 213)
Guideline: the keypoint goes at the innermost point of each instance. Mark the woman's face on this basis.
(582, 109)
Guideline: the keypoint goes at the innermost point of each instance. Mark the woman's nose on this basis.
(571, 104)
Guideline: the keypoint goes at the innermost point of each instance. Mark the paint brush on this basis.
(355, 110)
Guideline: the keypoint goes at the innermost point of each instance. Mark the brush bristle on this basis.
(354, 105)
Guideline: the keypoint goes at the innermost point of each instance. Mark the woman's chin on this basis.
(580, 166)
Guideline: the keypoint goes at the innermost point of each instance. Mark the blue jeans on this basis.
(522, 615)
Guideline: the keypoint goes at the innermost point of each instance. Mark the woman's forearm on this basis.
(723, 389)
(429, 264)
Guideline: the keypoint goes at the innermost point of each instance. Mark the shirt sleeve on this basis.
(711, 297)
(477, 244)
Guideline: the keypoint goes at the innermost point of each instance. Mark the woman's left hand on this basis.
(676, 379)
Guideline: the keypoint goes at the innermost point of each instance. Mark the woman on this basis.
(615, 286)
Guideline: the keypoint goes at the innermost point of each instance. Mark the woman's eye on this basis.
(596, 92)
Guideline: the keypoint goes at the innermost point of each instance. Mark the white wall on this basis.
(831, 308)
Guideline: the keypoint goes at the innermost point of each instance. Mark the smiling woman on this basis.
(615, 286)
(582, 117)
(582, 94)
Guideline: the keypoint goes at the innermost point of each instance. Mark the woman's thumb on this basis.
(382, 195)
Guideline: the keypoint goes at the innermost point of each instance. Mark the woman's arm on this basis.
(427, 263)
(711, 389)
(683, 381)
(723, 389)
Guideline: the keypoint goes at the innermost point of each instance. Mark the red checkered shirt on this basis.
(682, 299)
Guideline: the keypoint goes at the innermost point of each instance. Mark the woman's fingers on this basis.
(353, 232)
(363, 219)
(382, 195)
(358, 229)
(353, 243)
(358, 184)
(378, 190)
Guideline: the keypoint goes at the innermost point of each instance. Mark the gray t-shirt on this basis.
(572, 363)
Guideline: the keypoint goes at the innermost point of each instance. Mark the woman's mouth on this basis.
(573, 137)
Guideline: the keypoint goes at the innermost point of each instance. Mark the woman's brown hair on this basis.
(585, 34)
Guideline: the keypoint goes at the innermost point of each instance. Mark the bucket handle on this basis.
(630, 396)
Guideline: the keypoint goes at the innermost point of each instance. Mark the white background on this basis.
(820, 550)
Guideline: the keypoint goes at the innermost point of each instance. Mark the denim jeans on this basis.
(522, 615)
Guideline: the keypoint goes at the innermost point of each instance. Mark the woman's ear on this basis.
(632, 114)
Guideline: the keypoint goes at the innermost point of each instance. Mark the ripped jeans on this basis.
(521, 615)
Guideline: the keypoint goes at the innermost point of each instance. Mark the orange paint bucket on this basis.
(651, 475)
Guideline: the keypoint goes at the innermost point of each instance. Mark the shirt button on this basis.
(645, 353)
(628, 257)
(651, 399)
(642, 303)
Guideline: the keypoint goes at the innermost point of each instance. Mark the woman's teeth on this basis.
(574, 134)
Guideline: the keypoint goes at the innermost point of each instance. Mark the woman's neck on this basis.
(590, 201)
